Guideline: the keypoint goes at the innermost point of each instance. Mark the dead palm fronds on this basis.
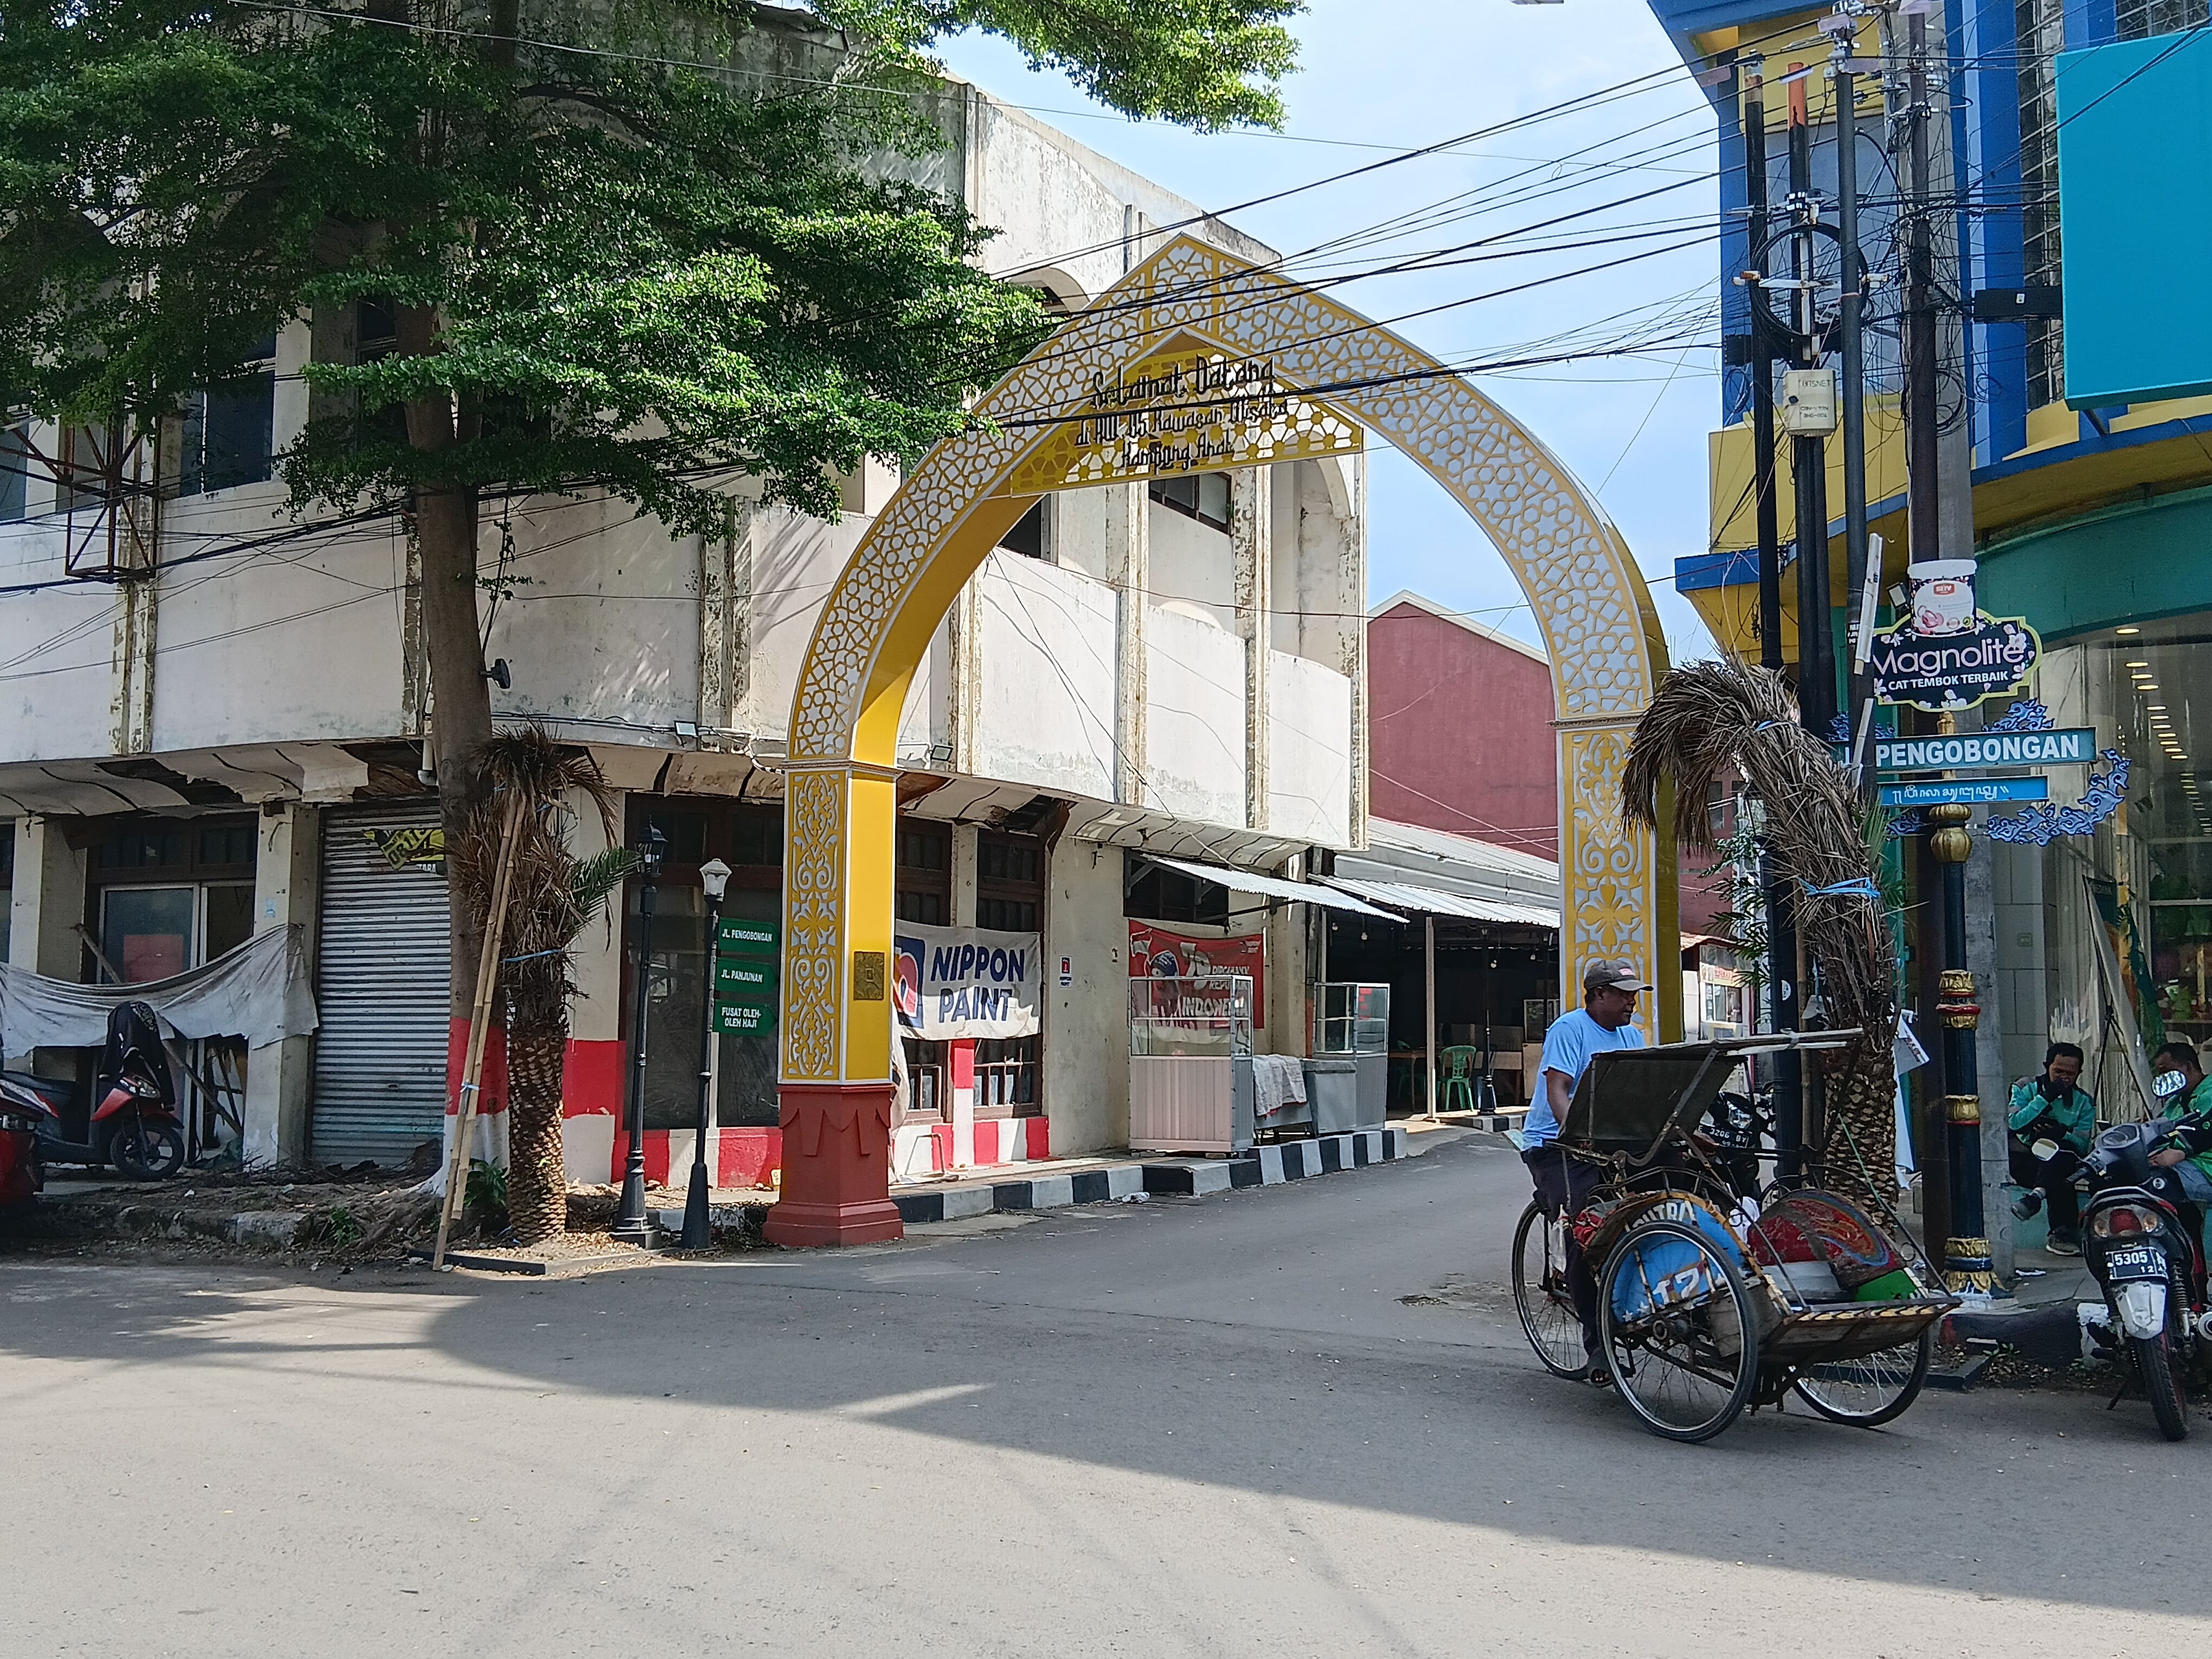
(552, 896)
(1711, 715)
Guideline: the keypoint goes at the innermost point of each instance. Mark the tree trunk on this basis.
(460, 701)
(1861, 1149)
(445, 533)
(537, 1182)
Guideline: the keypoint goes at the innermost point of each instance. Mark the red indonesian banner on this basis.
(1156, 952)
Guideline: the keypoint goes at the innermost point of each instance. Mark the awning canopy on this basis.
(1298, 892)
(1432, 901)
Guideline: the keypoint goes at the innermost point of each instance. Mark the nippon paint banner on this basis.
(1156, 952)
(958, 982)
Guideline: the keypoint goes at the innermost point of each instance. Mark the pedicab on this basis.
(1714, 1293)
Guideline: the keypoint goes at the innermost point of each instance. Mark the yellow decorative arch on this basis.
(1600, 631)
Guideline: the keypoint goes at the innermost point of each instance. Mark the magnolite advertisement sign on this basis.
(1947, 654)
(955, 982)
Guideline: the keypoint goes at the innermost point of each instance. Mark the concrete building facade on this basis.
(226, 734)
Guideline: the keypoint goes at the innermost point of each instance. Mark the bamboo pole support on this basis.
(479, 1025)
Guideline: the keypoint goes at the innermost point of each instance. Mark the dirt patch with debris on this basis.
(352, 1218)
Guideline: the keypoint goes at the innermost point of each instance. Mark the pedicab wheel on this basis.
(1540, 1295)
(2161, 1381)
(1869, 1391)
(1679, 1331)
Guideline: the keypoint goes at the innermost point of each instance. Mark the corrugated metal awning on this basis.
(1298, 892)
(1403, 897)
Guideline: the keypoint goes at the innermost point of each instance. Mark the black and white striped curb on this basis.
(1263, 1166)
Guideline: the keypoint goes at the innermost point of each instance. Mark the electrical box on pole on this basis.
(1808, 401)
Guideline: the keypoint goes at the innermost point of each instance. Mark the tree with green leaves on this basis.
(618, 260)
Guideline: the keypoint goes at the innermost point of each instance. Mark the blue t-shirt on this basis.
(1568, 1046)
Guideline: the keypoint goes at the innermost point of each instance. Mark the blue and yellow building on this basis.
(2072, 227)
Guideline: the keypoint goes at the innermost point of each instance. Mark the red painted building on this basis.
(1460, 735)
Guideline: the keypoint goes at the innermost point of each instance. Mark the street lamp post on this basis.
(1963, 1250)
(698, 1231)
(630, 1223)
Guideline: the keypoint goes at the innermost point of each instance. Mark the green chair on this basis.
(1456, 1068)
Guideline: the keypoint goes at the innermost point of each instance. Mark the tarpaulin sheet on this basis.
(260, 991)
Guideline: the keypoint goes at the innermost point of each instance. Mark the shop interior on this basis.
(1496, 990)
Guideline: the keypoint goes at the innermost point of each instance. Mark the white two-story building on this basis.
(212, 718)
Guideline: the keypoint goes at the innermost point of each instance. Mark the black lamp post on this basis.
(698, 1232)
(630, 1223)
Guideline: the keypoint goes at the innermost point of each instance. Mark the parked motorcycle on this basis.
(18, 1155)
(2143, 1243)
(129, 1114)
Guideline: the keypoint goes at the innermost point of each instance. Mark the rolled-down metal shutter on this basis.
(382, 991)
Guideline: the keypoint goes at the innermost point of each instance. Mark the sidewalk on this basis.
(1054, 1183)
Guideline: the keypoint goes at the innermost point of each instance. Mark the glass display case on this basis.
(1348, 1078)
(1190, 1064)
(1353, 1019)
(1210, 1016)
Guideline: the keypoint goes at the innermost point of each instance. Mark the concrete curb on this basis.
(256, 1229)
(2049, 1332)
(1264, 1166)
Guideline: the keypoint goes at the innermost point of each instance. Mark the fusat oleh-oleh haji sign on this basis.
(1184, 410)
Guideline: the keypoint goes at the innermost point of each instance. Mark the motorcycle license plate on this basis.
(2137, 1262)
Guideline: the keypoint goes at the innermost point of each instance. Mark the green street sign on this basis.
(736, 936)
(745, 978)
(744, 1018)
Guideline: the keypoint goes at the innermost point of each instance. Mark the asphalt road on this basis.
(1204, 1426)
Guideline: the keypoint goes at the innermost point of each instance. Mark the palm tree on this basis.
(1710, 715)
(552, 896)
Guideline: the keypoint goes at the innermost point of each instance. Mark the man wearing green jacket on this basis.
(2053, 1107)
(2191, 1161)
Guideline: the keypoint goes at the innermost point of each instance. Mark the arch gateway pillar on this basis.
(1233, 366)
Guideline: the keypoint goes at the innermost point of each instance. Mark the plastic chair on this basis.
(1456, 1092)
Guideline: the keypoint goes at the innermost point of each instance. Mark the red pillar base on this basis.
(836, 1166)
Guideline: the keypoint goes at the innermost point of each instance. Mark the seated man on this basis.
(2188, 1167)
(2053, 1107)
(1603, 1022)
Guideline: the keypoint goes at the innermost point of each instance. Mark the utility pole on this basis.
(1858, 699)
(1816, 666)
(1808, 461)
(1947, 1137)
(1781, 910)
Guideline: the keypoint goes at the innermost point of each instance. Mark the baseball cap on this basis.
(1614, 976)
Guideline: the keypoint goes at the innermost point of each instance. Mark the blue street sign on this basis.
(2072, 745)
(1972, 791)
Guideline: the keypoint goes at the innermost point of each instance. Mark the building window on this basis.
(229, 430)
(1009, 883)
(376, 337)
(1006, 1077)
(2041, 29)
(7, 881)
(164, 895)
(14, 474)
(87, 464)
(1159, 895)
(749, 840)
(1200, 496)
(923, 891)
(1032, 536)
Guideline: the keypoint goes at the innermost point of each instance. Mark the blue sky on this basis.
(1405, 73)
